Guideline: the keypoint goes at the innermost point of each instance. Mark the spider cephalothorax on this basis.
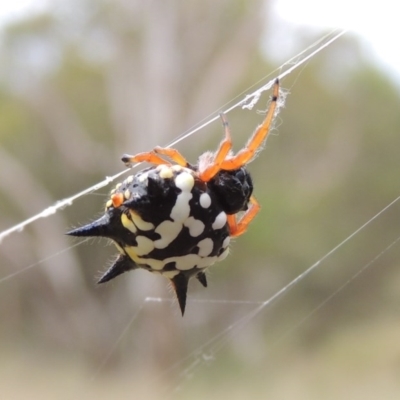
(178, 219)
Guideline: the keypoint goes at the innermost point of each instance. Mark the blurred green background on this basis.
(86, 81)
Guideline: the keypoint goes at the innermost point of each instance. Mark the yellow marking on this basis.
(142, 225)
(169, 274)
(130, 250)
(189, 261)
(166, 172)
(183, 263)
(128, 224)
(127, 194)
(113, 191)
(156, 265)
(118, 185)
(176, 168)
(109, 204)
(120, 249)
(145, 245)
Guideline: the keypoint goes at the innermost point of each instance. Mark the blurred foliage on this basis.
(90, 80)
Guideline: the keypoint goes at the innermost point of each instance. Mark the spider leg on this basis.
(257, 139)
(173, 154)
(237, 228)
(225, 146)
(150, 157)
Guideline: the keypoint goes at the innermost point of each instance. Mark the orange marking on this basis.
(117, 199)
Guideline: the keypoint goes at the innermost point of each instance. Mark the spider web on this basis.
(207, 352)
(248, 102)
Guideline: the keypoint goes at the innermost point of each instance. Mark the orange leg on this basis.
(237, 228)
(153, 157)
(149, 157)
(222, 152)
(245, 155)
(173, 154)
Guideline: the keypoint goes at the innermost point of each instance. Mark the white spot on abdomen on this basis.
(205, 200)
(220, 221)
(206, 262)
(195, 226)
(181, 210)
(226, 242)
(205, 247)
(168, 230)
(142, 177)
(129, 179)
(223, 255)
(184, 181)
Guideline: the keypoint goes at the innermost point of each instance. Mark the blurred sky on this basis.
(376, 22)
(10, 10)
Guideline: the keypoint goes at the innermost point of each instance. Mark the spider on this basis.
(177, 219)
